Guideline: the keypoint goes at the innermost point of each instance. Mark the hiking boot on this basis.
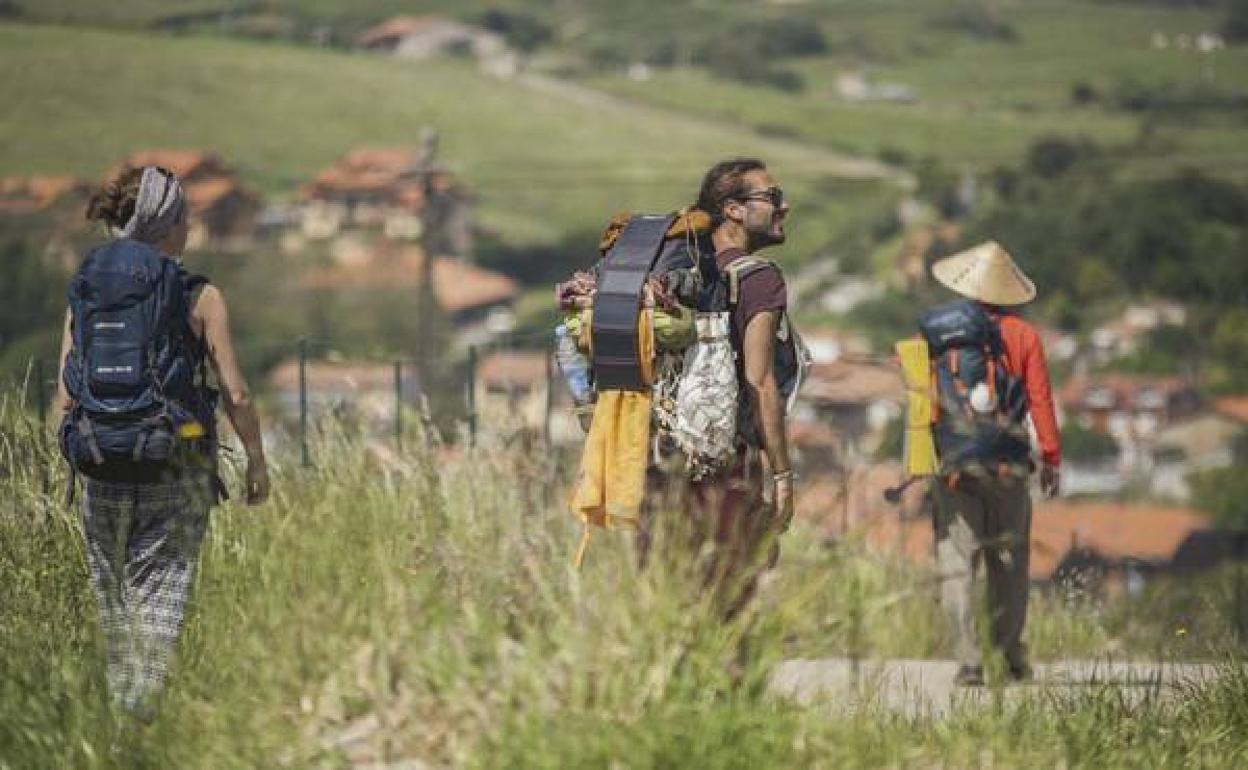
(969, 676)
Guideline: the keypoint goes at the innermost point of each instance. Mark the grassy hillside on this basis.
(983, 101)
(544, 161)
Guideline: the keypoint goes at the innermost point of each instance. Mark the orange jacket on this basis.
(1025, 359)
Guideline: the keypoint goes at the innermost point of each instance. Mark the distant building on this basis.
(849, 293)
(1097, 547)
(512, 393)
(1128, 406)
(426, 37)
(479, 303)
(29, 194)
(828, 344)
(1233, 407)
(223, 210)
(857, 399)
(361, 392)
(1124, 335)
(857, 87)
(1198, 443)
(390, 189)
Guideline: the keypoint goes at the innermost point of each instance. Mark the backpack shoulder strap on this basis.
(739, 269)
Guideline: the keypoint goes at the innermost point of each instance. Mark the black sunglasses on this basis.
(773, 195)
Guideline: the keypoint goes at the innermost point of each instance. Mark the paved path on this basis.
(926, 688)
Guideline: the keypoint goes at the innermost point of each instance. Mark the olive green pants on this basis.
(984, 521)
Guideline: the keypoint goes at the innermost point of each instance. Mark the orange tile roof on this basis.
(1115, 531)
(515, 367)
(813, 434)
(397, 27)
(381, 158)
(846, 382)
(1124, 388)
(183, 163)
(1151, 533)
(203, 195)
(334, 376)
(458, 285)
(1235, 407)
(33, 193)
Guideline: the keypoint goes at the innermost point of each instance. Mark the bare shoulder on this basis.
(208, 301)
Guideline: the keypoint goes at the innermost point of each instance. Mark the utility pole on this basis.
(429, 215)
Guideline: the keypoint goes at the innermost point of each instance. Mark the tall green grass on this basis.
(379, 610)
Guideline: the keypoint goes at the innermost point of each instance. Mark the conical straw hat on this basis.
(986, 273)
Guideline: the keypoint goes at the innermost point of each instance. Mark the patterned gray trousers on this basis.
(142, 544)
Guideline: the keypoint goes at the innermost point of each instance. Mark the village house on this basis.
(222, 210)
(1198, 443)
(1124, 335)
(1094, 547)
(857, 399)
(389, 189)
(429, 36)
(512, 394)
(1128, 406)
(362, 393)
(39, 192)
(827, 344)
(479, 303)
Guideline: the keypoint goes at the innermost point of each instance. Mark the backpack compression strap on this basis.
(617, 303)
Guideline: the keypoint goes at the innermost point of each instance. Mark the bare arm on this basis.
(63, 402)
(211, 314)
(760, 377)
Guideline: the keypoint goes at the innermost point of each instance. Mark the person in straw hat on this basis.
(989, 516)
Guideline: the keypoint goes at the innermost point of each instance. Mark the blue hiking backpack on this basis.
(136, 372)
(980, 409)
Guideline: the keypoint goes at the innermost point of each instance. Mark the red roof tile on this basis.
(183, 163)
(1148, 533)
(398, 27)
(34, 193)
(1235, 407)
(508, 368)
(203, 195)
(846, 382)
(458, 285)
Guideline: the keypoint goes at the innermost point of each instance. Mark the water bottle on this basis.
(573, 365)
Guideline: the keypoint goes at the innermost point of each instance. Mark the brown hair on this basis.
(113, 204)
(723, 182)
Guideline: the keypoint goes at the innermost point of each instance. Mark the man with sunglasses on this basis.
(748, 211)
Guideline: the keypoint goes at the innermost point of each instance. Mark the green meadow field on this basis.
(983, 102)
(544, 162)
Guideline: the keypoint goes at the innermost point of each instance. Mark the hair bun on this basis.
(113, 203)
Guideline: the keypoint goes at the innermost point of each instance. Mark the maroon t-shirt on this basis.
(761, 290)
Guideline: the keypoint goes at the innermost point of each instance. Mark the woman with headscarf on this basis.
(143, 529)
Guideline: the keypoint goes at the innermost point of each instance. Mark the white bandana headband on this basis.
(159, 207)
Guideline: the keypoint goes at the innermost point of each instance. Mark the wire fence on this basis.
(320, 377)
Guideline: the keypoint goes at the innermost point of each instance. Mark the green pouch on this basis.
(674, 329)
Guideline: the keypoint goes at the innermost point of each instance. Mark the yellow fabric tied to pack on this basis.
(612, 479)
(919, 456)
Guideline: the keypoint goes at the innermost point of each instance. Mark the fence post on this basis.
(550, 394)
(305, 458)
(470, 395)
(41, 395)
(398, 406)
(1239, 596)
(41, 399)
